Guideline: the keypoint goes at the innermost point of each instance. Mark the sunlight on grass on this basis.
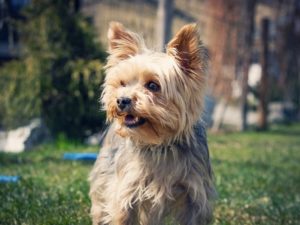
(256, 174)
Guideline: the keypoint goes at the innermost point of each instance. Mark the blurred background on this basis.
(52, 55)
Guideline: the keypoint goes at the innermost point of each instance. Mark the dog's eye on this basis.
(152, 86)
(122, 83)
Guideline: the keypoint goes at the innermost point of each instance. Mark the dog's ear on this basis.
(122, 43)
(186, 47)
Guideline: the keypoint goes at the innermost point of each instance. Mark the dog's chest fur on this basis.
(160, 176)
(153, 173)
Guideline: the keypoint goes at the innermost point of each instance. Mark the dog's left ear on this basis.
(122, 43)
(186, 47)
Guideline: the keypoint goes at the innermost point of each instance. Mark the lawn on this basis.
(257, 177)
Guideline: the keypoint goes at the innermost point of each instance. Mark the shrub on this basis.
(19, 89)
(60, 71)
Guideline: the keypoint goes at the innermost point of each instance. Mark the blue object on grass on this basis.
(9, 179)
(80, 156)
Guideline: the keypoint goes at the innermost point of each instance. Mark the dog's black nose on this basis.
(123, 103)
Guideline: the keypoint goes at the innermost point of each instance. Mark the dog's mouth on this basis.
(131, 121)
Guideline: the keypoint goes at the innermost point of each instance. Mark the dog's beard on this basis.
(143, 125)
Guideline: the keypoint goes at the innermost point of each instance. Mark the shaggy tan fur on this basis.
(160, 166)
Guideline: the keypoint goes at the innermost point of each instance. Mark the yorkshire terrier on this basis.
(154, 165)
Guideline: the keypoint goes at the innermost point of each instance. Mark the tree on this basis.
(263, 94)
(164, 22)
(222, 32)
(288, 46)
(60, 52)
(248, 13)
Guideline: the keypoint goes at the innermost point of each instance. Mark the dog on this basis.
(154, 164)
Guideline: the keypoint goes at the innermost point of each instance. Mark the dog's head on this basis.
(154, 97)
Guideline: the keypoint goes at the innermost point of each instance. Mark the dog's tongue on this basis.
(130, 119)
(133, 121)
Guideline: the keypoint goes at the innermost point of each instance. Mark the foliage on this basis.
(255, 173)
(60, 44)
(19, 89)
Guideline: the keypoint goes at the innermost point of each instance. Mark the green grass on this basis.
(257, 177)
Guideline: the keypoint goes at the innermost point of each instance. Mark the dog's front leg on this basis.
(97, 213)
(119, 217)
(123, 217)
(193, 212)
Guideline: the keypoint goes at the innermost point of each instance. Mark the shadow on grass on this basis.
(9, 159)
(292, 129)
(295, 133)
(13, 159)
(63, 161)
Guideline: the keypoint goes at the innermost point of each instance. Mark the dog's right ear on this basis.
(122, 43)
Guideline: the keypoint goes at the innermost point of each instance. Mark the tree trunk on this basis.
(263, 95)
(164, 22)
(246, 55)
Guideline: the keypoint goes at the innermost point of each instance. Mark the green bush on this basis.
(19, 89)
(59, 74)
(71, 99)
